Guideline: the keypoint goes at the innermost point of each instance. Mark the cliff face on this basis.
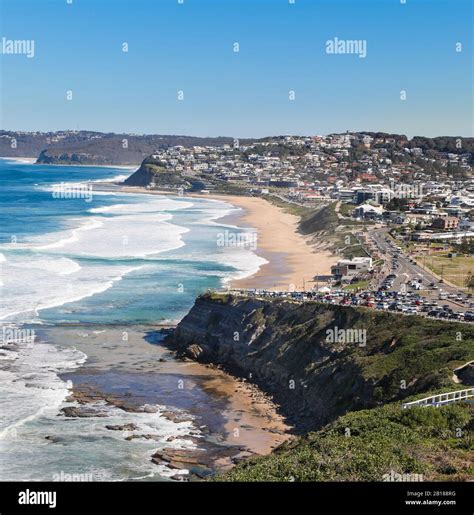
(99, 147)
(310, 357)
(72, 158)
(142, 177)
(151, 173)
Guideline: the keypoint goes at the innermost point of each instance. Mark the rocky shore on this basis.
(282, 347)
(227, 419)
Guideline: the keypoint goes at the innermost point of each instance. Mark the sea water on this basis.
(104, 258)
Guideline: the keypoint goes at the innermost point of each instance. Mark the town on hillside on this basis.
(399, 213)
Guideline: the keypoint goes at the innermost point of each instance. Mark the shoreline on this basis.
(240, 420)
(32, 160)
(20, 160)
(293, 260)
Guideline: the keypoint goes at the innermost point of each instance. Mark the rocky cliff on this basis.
(151, 173)
(91, 147)
(321, 361)
(72, 158)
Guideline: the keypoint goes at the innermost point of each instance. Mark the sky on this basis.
(416, 77)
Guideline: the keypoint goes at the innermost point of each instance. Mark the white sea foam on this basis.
(164, 204)
(60, 266)
(73, 236)
(69, 265)
(239, 256)
(29, 382)
(246, 262)
(84, 186)
(117, 178)
(126, 236)
(61, 281)
(48, 274)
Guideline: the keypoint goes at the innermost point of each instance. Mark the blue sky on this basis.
(189, 47)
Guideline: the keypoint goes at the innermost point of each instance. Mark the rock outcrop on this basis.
(151, 173)
(309, 357)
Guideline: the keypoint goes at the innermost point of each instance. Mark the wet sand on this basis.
(293, 259)
(235, 417)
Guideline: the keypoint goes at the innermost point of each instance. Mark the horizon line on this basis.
(241, 137)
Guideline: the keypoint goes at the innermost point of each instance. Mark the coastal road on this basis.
(408, 270)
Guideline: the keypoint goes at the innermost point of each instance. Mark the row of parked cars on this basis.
(409, 302)
(388, 282)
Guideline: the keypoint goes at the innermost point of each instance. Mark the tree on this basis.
(470, 281)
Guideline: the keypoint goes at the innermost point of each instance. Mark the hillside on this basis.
(324, 219)
(151, 173)
(90, 147)
(374, 445)
(349, 396)
(284, 347)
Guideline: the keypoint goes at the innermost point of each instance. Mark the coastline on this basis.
(238, 420)
(293, 260)
(32, 161)
(20, 160)
(106, 412)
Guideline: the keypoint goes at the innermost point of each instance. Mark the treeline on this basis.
(452, 144)
(95, 147)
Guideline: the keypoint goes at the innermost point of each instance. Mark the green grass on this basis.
(455, 270)
(324, 219)
(414, 351)
(355, 286)
(346, 245)
(289, 207)
(367, 445)
(163, 176)
(356, 390)
(346, 209)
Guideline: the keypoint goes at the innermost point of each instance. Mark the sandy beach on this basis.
(293, 260)
(239, 418)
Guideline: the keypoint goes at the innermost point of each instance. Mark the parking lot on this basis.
(405, 303)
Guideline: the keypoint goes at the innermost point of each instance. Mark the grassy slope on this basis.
(455, 270)
(404, 356)
(363, 446)
(163, 176)
(324, 219)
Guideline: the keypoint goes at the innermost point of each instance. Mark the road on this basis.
(408, 270)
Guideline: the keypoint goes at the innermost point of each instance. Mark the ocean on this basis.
(84, 269)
